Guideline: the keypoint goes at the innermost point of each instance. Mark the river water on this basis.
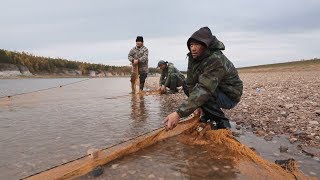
(42, 129)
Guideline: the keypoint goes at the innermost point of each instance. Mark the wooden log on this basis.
(87, 163)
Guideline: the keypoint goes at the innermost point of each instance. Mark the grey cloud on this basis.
(35, 24)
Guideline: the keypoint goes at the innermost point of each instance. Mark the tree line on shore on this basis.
(39, 64)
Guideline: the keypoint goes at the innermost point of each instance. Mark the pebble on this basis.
(314, 122)
(313, 152)
(283, 149)
(236, 134)
(151, 176)
(293, 140)
(276, 154)
(97, 171)
(176, 174)
(260, 133)
(215, 168)
(288, 106)
(312, 173)
(284, 114)
(114, 166)
(268, 137)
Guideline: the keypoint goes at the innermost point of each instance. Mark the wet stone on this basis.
(312, 173)
(260, 133)
(283, 149)
(114, 166)
(98, 171)
(215, 168)
(268, 137)
(236, 134)
(310, 151)
(293, 140)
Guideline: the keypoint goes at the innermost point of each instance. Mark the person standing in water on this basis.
(138, 55)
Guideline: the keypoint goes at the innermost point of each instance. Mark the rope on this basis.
(9, 96)
(88, 154)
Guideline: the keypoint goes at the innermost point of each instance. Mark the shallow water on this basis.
(43, 129)
(169, 159)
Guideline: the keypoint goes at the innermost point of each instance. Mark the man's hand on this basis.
(136, 61)
(163, 89)
(171, 120)
(198, 111)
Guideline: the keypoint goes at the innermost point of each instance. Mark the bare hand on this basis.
(198, 111)
(171, 120)
(163, 89)
(136, 61)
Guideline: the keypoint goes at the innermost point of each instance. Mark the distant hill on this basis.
(56, 66)
(312, 64)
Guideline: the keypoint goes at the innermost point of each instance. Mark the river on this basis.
(69, 116)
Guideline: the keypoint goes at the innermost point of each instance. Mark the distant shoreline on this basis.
(66, 76)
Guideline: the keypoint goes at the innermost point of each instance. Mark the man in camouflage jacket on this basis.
(170, 77)
(139, 55)
(212, 80)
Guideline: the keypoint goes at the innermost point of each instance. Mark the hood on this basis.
(205, 36)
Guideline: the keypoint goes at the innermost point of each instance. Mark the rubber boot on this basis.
(217, 115)
(141, 86)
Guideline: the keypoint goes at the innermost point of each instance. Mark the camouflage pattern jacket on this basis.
(208, 73)
(142, 55)
(167, 72)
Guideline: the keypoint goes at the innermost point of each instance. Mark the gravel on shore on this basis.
(281, 103)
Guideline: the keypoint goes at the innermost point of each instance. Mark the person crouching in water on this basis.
(213, 82)
(171, 77)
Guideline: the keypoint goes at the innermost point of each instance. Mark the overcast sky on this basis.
(103, 31)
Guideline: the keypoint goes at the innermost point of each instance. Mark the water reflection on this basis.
(139, 112)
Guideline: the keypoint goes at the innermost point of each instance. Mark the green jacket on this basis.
(209, 72)
(166, 74)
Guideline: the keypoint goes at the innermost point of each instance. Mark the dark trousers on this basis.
(142, 78)
(177, 80)
(213, 112)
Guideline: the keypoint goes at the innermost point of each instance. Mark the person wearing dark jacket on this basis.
(213, 81)
(170, 77)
